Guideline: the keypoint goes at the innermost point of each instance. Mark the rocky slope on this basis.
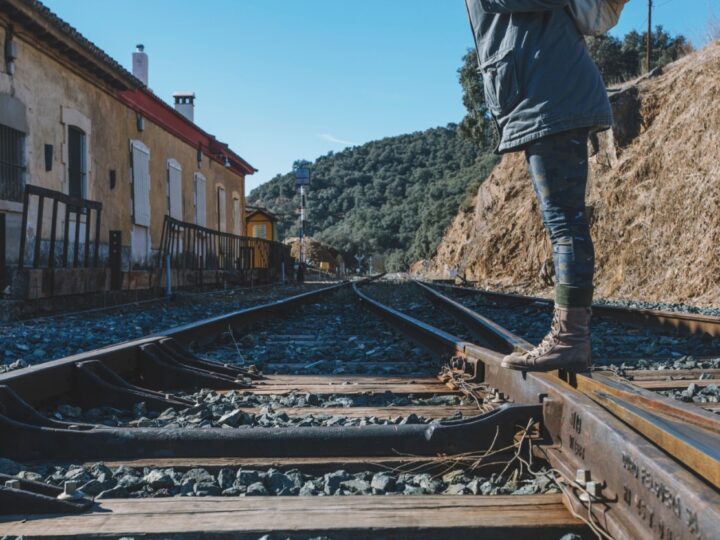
(654, 192)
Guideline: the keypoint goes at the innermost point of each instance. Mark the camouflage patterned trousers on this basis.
(558, 165)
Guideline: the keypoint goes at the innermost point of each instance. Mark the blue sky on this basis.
(286, 79)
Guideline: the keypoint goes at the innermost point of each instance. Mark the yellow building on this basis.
(75, 121)
(261, 223)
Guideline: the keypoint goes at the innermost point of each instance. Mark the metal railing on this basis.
(193, 247)
(80, 208)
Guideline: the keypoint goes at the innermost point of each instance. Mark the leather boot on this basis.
(567, 346)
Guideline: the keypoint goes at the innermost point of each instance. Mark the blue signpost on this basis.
(302, 179)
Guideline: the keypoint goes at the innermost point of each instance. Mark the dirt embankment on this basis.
(316, 252)
(654, 191)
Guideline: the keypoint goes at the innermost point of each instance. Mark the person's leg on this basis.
(558, 166)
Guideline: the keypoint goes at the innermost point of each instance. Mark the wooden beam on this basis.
(537, 516)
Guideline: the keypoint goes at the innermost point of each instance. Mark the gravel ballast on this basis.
(102, 482)
(35, 341)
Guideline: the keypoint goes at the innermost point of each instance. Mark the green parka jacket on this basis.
(538, 75)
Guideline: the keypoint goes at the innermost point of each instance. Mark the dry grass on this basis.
(656, 202)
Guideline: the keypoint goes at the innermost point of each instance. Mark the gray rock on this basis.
(96, 469)
(382, 482)
(234, 418)
(356, 485)
(455, 489)
(95, 487)
(453, 476)
(30, 475)
(527, 489)
(412, 418)
(279, 483)
(206, 489)
(412, 490)
(79, 475)
(256, 489)
(199, 475)
(226, 478)
(486, 488)
(159, 480)
(333, 481)
(428, 483)
(308, 489)
(247, 477)
(131, 483)
(124, 470)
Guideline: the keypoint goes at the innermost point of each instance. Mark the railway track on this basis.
(312, 417)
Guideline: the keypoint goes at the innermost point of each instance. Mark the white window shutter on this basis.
(222, 213)
(141, 183)
(236, 215)
(175, 184)
(200, 201)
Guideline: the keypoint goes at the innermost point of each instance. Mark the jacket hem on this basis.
(600, 122)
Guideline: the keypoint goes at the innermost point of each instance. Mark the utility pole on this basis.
(648, 48)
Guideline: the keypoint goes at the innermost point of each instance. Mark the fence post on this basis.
(168, 278)
(115, 260)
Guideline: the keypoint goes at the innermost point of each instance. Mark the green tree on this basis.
(622, 60)
(477, 125)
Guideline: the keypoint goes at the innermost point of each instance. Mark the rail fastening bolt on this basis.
(12, 484)
(582, 476)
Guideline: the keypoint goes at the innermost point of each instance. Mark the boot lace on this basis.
(549, 340)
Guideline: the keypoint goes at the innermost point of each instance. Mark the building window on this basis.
(77, 166)
(174, 189)
(12, 164)
(237, 227)
(199, 200)
(260, 230)
(221, 213)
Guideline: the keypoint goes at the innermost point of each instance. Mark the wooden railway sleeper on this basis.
(96, 385)
(30, 497)
(161, 369)
(492, 431)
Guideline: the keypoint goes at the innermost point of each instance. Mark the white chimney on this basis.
(185, 104)
(140, 64)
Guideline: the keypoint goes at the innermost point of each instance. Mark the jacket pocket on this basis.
(500, 82)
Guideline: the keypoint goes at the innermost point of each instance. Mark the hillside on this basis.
(393, 197)
(654, 193)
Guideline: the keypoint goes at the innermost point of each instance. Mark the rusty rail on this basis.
(620, 480)
(689, 323)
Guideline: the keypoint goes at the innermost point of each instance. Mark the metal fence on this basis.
(71, 249)
(196, 248)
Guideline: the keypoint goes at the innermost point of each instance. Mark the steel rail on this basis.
(690, 434)
(689, 323)
(637, 489)
(50, 380)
